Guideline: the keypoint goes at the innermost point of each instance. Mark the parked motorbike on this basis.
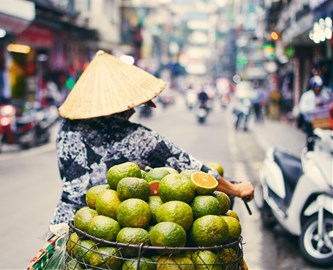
(25, 125)
(297, 193)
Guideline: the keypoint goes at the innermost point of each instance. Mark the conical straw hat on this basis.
(108, 86)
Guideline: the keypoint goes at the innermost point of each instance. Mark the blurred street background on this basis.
(272, 46)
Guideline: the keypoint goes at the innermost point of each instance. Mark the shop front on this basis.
(15, 17)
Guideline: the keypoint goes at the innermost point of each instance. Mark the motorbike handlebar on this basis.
(245, 199)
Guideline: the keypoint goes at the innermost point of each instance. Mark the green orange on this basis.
(154, 203)
(156, 174)
(176, 187)
(134, 213)
(139, 264)
(228, 257)
(167, 234)
(215, 166)
(120, 171)
(107, 203)
(73, 264)
(188, 172)
(134, 236)
(93, 193)
(234, 228)
(103, 227)
(110, 258)
(133, 187)
(171, 170)
(224, 200)
(232, 213)
(83, 217)
(175, 263)
(206, 259)
(175, 211)
(209, 230)
(203, 205)
(86, 252)
(72, 243)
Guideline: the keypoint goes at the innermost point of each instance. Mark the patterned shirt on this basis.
(88, 148)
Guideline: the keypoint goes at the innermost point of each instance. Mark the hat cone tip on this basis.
(100, 52)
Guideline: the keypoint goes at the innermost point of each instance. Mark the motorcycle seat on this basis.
(291, 168)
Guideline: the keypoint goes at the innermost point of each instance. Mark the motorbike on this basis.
(145, 111)
(191, 99)
(297, 193)
(25, 124)
(202, 111)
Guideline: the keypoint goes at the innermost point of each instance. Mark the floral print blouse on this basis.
(88, 148)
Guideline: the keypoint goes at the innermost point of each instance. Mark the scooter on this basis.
(202, 112)
(25, 125)
(191, 99)
(297, 193)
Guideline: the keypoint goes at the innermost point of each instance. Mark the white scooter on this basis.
(297, 193)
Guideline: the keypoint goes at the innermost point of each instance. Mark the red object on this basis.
(37, 35)
(7, 118)
(154, 188)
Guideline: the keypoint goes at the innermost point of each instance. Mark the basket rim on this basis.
(149, 247)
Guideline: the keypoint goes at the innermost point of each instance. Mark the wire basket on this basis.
(102, 254)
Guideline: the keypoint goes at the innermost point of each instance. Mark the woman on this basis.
(96, 133)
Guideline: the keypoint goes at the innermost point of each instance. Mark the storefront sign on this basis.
(36, 35)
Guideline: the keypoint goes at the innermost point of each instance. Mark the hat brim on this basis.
(109, 86)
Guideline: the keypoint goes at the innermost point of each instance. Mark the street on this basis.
(31, 184)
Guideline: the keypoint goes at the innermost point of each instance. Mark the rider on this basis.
(309, 102)
(203, 97)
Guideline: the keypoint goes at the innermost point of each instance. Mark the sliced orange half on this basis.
(204, 183)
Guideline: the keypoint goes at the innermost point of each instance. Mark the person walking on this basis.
(96, 133)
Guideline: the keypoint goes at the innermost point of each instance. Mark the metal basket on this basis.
(130, 256)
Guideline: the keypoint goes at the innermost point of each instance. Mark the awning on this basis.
(16, 15)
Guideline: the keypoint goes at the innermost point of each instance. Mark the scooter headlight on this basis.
(7, 110)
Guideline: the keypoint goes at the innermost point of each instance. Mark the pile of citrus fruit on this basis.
(161, 219)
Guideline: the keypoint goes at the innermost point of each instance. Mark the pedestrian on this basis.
(312, 100)
(96, 133)
(258, 102)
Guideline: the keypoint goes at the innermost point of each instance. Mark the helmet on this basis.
(316, 81)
